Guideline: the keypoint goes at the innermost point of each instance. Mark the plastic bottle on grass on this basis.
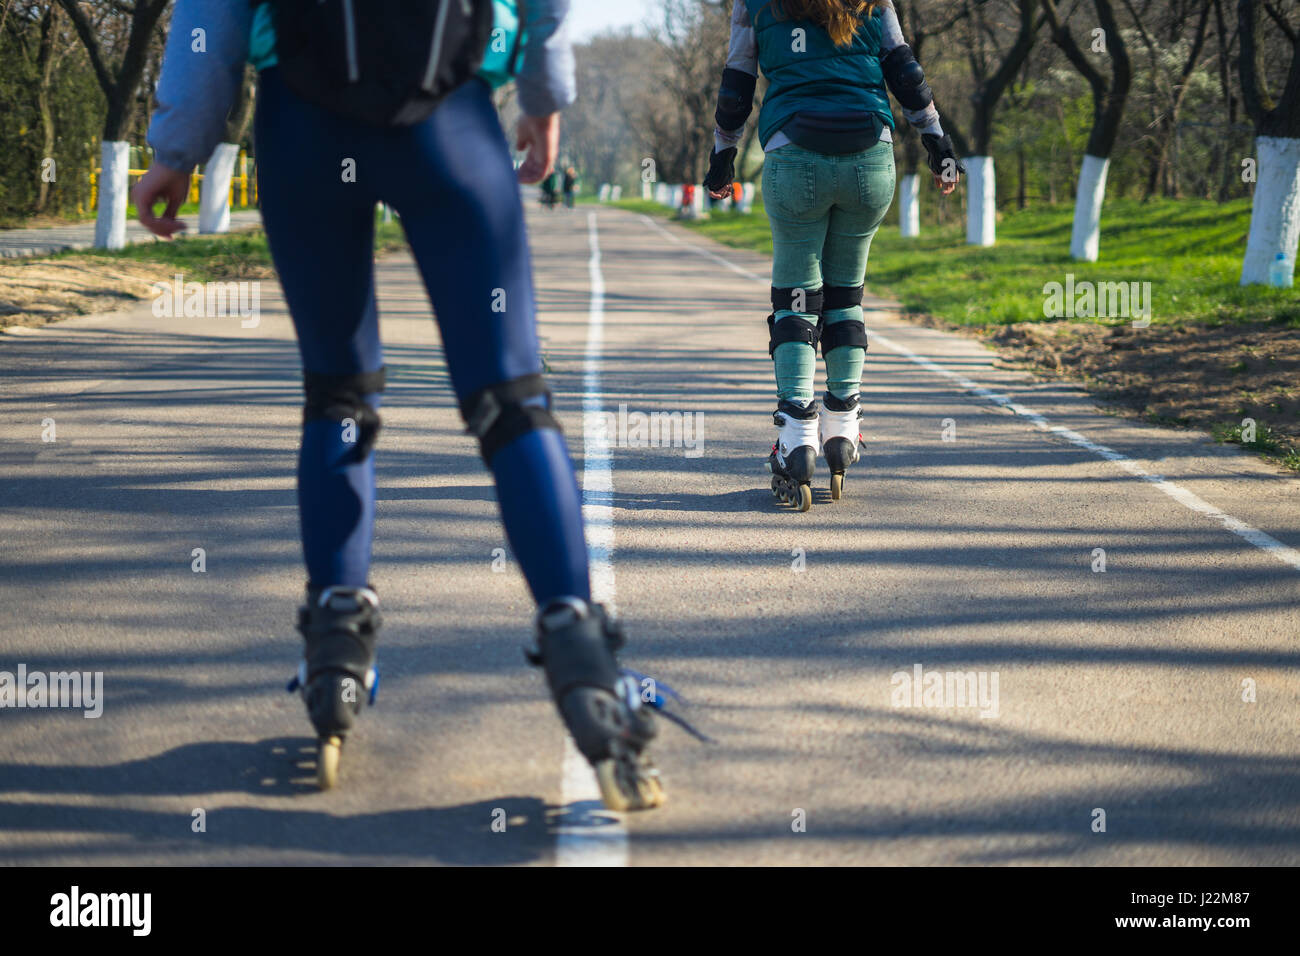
(1280, 273)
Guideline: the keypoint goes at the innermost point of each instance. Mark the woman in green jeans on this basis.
(828, 179)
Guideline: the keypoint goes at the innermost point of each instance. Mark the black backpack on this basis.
(382, 62)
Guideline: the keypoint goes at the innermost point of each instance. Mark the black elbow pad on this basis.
(906, 79)
(735, 99)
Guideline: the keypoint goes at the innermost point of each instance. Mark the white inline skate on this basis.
(794, 456)
(840, 437)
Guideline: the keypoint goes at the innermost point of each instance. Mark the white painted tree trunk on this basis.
(1275, 213)
(110, 219)
(981, 205)
(647, 190)
(1085, 241)
(214, 194)
(746, 198)
(909, 206)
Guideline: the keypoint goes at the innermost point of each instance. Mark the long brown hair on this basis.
(839, 18)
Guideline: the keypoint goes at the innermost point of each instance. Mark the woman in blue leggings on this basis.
(451, 180)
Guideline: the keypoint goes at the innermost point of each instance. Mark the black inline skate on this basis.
(601, 706)
(840, 437)
(337, 675)
(794, 456)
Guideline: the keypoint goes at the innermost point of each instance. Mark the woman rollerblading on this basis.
(394, 89)
(826, 127)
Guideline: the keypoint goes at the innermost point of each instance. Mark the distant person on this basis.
(570, 186)
(828, 180)
(335, 135)
(550, 189)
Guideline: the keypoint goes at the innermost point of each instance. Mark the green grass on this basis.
(219, 257)
(1267, 443)
(189, 210)
(1189, 250)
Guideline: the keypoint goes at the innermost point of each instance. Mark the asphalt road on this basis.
(1118, 691)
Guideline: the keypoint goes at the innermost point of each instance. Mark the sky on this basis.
(588, 17)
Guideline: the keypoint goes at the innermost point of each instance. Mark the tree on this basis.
(1275, 212)
(44, 49)
(214, 199)
(920, 23)
(598, 135)
(119, 81)
(993, 68)
(1108, 95)
(677, 122)
(1167, 99)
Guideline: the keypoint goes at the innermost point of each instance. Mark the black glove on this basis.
(940, 149)
(722, 170)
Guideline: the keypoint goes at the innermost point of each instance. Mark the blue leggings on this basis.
(451, 181)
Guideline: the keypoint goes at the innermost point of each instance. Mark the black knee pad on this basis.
(848, 333)
(841, 297)
(791, 299)
(341, 398)
(498, 414)
(791, 328)
(836, 335)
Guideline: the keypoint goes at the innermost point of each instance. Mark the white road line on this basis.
(1265, 542)
(590, 835)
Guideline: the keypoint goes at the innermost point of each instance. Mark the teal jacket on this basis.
(807, 73)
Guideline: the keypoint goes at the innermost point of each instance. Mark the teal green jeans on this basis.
(824, 210)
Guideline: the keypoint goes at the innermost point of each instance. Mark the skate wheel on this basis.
(837, 487)
(625, 785)
(327, 762)
(805, 498)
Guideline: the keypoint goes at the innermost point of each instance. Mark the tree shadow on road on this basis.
(301, 827)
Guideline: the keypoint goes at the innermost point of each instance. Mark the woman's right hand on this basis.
(540, 135)
(946, 187)
(161, 183)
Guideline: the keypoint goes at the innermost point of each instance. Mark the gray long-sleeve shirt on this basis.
(200, 80)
